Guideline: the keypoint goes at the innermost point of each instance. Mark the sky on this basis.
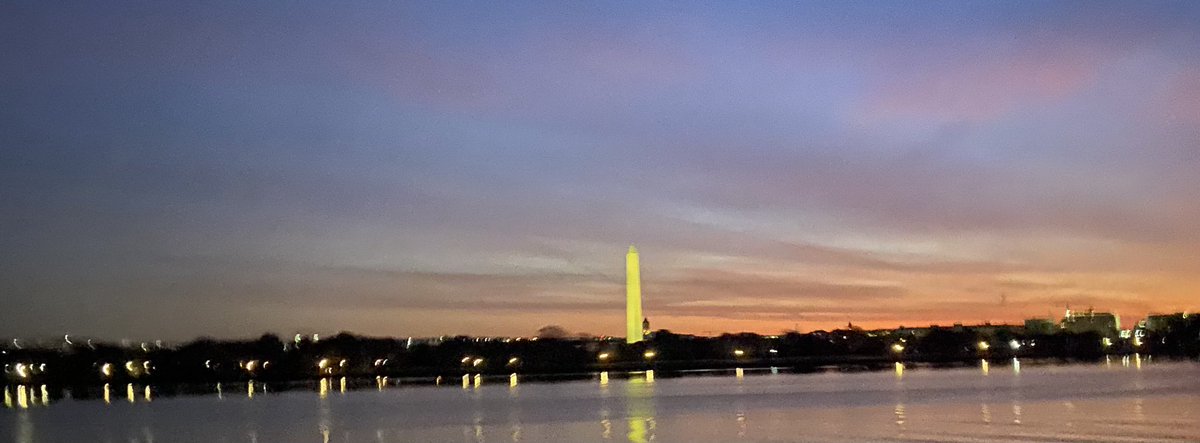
(180, 169)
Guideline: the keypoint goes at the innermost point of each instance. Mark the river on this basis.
(1121, 400)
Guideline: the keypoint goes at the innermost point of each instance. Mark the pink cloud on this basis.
(982, 85)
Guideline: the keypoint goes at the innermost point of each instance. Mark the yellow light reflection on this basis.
(1137, 361)
(650, 376)
(985, 366)
(899, 370)
(1016, 364)
(603, 378)
(466, 381)
(220, 394)
(45, 395)
(250, 389)
(512, 380)
(739, 373)
(8, 401)
(22, 397)
(146, 394)
(342, 385)
(639, 407)
(478, 380)
(129, 392)
(323, 391)
(107, 394)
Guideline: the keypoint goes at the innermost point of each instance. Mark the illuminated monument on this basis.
(633, 298)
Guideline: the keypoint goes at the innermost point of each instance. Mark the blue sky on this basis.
(171, 170)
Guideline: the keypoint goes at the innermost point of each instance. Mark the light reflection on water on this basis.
(1156, 402)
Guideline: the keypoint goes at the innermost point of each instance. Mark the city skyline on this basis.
(227, 169)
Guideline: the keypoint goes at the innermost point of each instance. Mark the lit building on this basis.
(1103, 323)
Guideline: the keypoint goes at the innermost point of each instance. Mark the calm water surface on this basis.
(1117, 402)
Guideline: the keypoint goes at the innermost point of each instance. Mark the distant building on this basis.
(1104, 323)
(1161, 323)
(1039, 326)
(989, 330)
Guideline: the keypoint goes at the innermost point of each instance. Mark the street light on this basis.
(649, 354)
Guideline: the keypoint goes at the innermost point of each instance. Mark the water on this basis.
(1108, 402)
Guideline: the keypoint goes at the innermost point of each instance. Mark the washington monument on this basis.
(633, 297)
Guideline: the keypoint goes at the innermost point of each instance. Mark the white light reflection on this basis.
(741, 422)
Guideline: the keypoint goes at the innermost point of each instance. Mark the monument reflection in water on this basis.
(1132, 399)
